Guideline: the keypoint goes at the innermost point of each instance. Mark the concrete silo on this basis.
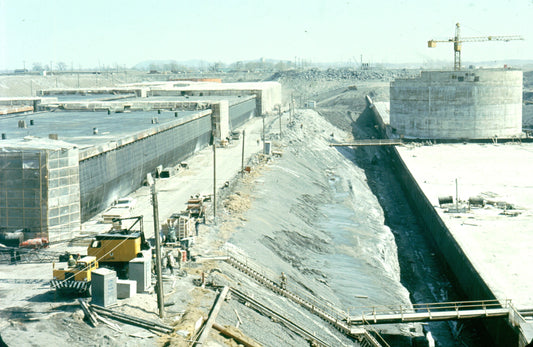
(469, 104)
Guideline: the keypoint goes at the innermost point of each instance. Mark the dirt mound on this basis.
(237, 203)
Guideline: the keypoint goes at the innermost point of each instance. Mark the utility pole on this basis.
(263, 127)
(279, 113)
(456, 196)
(159, 285)
(214, 178)
(291, 113)
(242, 160)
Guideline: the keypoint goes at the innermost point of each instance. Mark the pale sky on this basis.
(110, 32)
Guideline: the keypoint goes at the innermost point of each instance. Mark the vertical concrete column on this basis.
(221, 119)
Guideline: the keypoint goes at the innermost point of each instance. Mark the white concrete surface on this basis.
(269, 92)
(498, 245)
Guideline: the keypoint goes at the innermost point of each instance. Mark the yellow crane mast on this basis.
(458, 40)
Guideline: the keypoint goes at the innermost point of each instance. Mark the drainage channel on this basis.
(422, 272)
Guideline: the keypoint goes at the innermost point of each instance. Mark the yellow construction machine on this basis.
(76, 277)
(123, 243)
(114, 250)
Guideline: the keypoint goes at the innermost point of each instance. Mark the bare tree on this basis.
(38, 67)
(216, 67)
(61, 66)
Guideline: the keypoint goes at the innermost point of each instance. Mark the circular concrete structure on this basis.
(469, 104)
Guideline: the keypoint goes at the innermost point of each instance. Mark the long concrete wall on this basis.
(464, 273)
(112, 172)
(242, 112)
(54, 208)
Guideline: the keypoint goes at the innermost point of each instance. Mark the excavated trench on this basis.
(422, 272)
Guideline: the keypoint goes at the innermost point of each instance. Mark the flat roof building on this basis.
(59, 168)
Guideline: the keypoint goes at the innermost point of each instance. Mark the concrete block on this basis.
(104, 287)
(267, 148)
(126, 289)
(140, 271)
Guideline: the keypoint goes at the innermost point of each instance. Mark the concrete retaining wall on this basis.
(112, 172)
(464, 273)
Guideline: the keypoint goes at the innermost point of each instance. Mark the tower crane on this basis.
(458, 40)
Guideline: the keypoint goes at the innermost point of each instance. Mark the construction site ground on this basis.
(32, 313)
(279, 217)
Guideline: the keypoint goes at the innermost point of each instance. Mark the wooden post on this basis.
(160, 297)
(279, 113)
(242, 160)
(245, 342)
(212, 316)
(263, 128)
(214, 179)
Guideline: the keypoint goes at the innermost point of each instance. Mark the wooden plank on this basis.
(212, 316)
(110, 324)
(139, 323)
(247, 342)
(238, 317)
(148, 324)
(88, 313)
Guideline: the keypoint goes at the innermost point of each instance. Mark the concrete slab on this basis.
(497, 240)
(126, 288)
(77, 127)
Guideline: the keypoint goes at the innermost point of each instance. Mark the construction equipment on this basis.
(458, 41)
(121, 209)
(116, 248)
(179, 227)
(35, 243)
(75, 279)
(196, 207)
(12, 239)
